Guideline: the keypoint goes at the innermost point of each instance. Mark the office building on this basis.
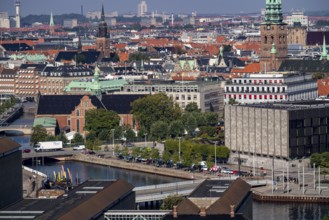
(141, 9)
(259, 88)
(276, 132)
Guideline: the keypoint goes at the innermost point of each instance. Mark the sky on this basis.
(170, 6)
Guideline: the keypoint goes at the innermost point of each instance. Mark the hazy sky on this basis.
(176, 6)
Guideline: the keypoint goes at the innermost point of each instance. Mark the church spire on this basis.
(324, 54)
(51, 24)
(103, 14)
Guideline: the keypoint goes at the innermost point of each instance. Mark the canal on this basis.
(261, 210)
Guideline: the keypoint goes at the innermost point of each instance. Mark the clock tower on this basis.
(274, 47)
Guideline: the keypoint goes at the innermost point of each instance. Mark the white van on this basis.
(79, 147)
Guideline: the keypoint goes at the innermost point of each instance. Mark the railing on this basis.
(168, 185)
(34, 171)
(161, 196)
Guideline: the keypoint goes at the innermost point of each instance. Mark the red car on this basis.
(26, 150)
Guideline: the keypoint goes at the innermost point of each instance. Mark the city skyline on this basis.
(169, 6)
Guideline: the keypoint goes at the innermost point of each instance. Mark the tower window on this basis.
(265, 39)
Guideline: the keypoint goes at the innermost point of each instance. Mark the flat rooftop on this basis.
(55, 208)
(291, 105)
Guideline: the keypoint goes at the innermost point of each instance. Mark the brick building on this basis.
(7, 81)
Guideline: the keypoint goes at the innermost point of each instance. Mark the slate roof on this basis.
(62, 104)
(305, 66)
(316, 37)
(37, 67)
(16, 47)
(90, 56)
(119, 103)
(7, 144)
(53, 46)
(64, 71)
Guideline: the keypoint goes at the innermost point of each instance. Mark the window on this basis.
(265, 96)
(260, 97)
(245, 96)
(78, 112)
(85, 104)
(255, 96)
(69, 122)
(78, 125)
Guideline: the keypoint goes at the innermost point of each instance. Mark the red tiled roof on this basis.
(250, 68)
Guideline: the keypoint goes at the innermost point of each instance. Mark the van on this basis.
(79, 147)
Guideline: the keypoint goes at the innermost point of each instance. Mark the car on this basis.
(26, 150)
(79, 147)
(91, 152)
(129, 144)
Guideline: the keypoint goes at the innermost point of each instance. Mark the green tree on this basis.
(62, 137)
(176, 129)
(211, 118)
(232, 101)
(190, 124)
(171, 201)
(77, 139)
(159, 130)
(39, 133)
(192, 107)
(208, 130)
(101, 119)
(104, 135)
(222, 152)
(130, 134)
(158, 107)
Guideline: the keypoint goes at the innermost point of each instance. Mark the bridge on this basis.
(49, 154)
(16, 129)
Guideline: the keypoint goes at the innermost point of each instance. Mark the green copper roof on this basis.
(92, 88)
(273, 49)
(273, 13)
(45, 122)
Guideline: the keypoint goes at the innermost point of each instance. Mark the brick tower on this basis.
(273, 35)
(103, 37)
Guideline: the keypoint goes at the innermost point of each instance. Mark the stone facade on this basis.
(297, 35)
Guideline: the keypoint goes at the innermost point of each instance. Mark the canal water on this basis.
(83, 171)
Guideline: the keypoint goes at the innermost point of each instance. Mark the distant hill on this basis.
(45, 19)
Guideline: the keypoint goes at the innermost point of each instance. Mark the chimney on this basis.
(232, 211)
(174, 211)
(203, 212)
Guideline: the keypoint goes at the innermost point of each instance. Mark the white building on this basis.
(297, 17)
(141, 9)
(4, 20)
(258, 88)
(208, 95)
(70, 23)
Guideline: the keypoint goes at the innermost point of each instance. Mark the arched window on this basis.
(272, 39)
(265, 40)
(78, 125)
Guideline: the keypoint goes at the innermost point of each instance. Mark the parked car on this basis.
(26, 150)
(79, 147)
(226, 170)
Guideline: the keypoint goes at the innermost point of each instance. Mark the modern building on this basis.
(141, 9)
(70, 23)
(274, 48)
(259, 88)
(207, 95)
(4, 20)
(89, 200)
(269, 133)
(11, 187)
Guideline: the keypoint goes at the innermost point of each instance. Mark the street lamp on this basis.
(145, 139)
(179, 148)
(113, 140)
(215, 154)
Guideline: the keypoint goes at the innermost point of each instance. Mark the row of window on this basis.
(255, 89)
(255, 97)
(185, 97)
(257, 81)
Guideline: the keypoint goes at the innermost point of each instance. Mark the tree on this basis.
(77, 139)
(176, 128)
(158, 107)
(130, 134)
(62, 137)
(171, 201)
(190, 124)
(39, 133)
(232, 101)
(192, 107)
(211, 118)
(101, 119)
(104, 135)
(159, 130)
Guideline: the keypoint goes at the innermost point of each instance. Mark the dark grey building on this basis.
(11, 187)
(283, 131)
